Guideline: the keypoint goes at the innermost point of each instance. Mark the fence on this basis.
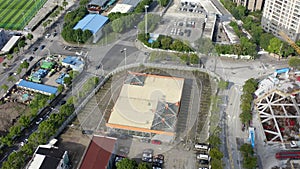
(123, 68)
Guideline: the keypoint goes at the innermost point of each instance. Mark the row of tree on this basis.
(165, 42)
(37, 103)
(246, 100)
(44, 132)
(70, 20)
(249, 160)
(215, 154)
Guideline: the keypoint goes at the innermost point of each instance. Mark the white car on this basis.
(39, 121)
(294, 144)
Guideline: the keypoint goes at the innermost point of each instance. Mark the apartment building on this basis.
(251, 5)
(282, 15)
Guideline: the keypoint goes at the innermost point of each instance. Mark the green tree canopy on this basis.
(275, 45)
(294, 62)
(215, 153)
(144, 165)
(126, 164)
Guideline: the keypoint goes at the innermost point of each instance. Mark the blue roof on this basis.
(92, 22)
(36, 86)
(72, 60)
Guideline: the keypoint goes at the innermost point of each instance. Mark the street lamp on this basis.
(124, 50)
(146, 6)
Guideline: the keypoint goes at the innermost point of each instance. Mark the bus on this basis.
(288, 154)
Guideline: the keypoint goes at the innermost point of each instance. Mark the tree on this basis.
(216, 164)
(247, 150)
(60, 88)
(166, 42)
(24, 65)
(294, 62)
(143, 165)
(9, 56)
(214, 141)
(4, 87)
(24, 121)
(223, 84)
(264, 41)
(64, 3)
(4, 64)
(126, 164)
(11, 79)
(215, 153)
(19, 70)
(194, 59)
(275, 45)
(83, 2)
(67, 80)
(250, 162)
(16, 49)
(86, 35)
(245, 117)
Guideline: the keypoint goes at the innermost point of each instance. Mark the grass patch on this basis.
(16, 14)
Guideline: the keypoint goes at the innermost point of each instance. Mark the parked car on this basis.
(39, 121)
(147, 155)
(42, 47)
(87, 131)
(10, 73)
(30, 58)
(62, 102)
(155, 142)
(35, 49)
(204, 162)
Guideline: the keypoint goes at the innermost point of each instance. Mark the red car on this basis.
(155, 142)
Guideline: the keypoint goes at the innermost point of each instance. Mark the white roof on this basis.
(12, 41)
(37, 161)
(136, 105)
(123, 8)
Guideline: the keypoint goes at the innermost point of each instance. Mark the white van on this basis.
(202, 157)
(201, 146)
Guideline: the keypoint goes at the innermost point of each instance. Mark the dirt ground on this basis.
(9, 112)
(73, 141)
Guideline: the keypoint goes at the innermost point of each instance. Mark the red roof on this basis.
(1, 59)
(98, 153)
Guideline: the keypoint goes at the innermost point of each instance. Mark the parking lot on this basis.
(185, 28)
(191, 8)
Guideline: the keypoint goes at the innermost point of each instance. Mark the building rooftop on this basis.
(37, 87)
(72, 60)
(12, 41)
(122, 8)
(98, 153)
(133, 3)
(142, 99)
(98, 2)
(46, 157)
(92, 22)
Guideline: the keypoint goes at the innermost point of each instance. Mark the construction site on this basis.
(277, 103)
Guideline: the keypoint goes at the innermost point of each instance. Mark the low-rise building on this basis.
(73, 62)
(100, 153)
(49, 157)
(94, 23)
(122, 8)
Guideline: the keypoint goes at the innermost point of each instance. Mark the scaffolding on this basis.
(279, 114)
